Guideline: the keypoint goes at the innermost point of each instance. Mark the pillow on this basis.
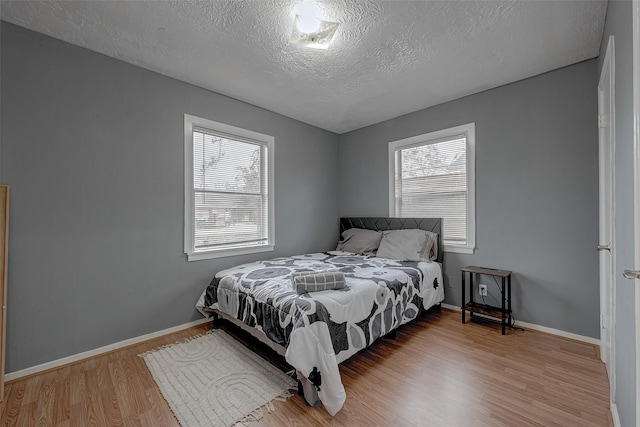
(431, 249)
(409, 245)
(359, 241)
(313, 281)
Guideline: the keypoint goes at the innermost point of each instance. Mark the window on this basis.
(433, 175)
(228, 190)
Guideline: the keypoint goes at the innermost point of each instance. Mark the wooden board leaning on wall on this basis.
(4, 252)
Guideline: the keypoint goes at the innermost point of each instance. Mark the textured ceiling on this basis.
(388, 58)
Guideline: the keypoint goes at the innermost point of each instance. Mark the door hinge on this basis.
(603, 121)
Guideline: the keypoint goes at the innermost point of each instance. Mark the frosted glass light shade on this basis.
(319, 38)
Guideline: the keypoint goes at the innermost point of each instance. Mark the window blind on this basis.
(431, 181)
(230, 191)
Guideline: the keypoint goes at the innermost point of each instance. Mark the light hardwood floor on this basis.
(437, 372)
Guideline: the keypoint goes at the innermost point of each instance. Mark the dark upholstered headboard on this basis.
(382, 223)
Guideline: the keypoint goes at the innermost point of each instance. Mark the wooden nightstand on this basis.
(503, 313)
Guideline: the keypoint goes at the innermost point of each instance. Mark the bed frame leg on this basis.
(437, 308)
(216, 321)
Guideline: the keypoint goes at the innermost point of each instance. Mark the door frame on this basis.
(636, 185)
(606, 178)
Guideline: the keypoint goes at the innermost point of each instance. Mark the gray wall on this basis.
(93, 150)
(536, 190)
(619, 24)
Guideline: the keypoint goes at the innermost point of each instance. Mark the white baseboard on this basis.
(450, 307)
(615, 416)
(558, 332)
(95, 352)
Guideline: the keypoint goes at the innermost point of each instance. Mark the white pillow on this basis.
(359, 241)
(408, 245)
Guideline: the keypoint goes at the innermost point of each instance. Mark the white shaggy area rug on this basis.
(213, 380)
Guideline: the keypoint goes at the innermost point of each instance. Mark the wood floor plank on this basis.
(112, 413)
(160, 414)
(62, 404)
(77, 385)
(32, 390)
(96, 413)
(27, 415)
(129, 390)
(78, 414)
(46, 400)
(437, 372)
(13, 399)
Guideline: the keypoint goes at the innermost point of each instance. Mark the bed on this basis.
(315, 330)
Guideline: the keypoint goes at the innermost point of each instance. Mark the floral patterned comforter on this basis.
(322, 329)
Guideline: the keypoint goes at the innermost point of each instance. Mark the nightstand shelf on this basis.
(504, 312)
(487, 310)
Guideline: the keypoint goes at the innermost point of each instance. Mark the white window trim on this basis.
(192, 255)
(469, 131)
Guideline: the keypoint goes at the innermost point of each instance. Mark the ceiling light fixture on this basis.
(307, 24)
(312, 32)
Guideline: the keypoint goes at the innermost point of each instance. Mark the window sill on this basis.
(459, 249)
(221, 253)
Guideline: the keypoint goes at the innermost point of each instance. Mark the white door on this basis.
(606, 120)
